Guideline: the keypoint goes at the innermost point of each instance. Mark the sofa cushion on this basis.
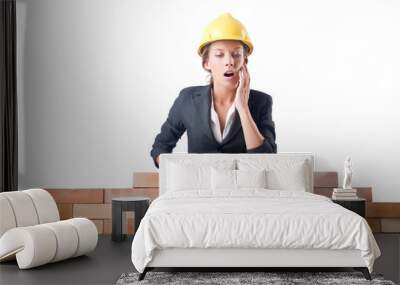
(23, 208)
(7, 215)
(46, 207)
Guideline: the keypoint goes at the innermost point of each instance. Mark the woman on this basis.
(225, 116)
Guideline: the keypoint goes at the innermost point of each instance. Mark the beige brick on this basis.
(128, 217)
(120, 192)
(99, 226)
(145, 179)
(65, 211)
(83, 196)
(92, 211)
(390, 225)
(107, 226)
(375, 224)
(152, 193)
(326, 179)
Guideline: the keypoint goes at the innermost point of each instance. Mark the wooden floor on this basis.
(111, 259)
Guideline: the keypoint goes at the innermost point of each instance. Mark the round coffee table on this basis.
(122, 204)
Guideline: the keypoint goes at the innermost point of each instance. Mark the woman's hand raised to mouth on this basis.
(243, 90)
(251, 133)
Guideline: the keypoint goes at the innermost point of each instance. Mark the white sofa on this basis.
(31, 230)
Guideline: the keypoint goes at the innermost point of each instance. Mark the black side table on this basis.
(357, 205)
(122, 204)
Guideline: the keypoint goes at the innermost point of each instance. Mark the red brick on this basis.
(86, 196)
(375, 224)
(326, 179)
(65, 211)
(383, 210)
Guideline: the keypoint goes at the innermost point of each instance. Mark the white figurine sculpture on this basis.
(348, 173)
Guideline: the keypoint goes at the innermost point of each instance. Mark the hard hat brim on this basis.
(247, 43)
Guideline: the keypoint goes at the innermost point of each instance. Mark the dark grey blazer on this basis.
(191, 112)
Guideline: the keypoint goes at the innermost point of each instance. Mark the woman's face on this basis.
(225, 58)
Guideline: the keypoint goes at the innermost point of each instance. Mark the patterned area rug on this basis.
(229, 278)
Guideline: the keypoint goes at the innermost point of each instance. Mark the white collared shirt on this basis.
(215, 125)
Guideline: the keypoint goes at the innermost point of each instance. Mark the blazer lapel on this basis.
(236, 126)
(202, 103)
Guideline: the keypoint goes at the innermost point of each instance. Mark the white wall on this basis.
(97, 78)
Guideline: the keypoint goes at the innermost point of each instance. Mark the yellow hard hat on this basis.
(225, 27)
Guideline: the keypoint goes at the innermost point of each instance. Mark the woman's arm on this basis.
(171, 131)
(252, 135)
(259, 139)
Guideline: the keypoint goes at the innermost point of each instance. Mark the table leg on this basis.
(117, 222)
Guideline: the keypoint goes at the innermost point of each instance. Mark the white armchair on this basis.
(31, 230)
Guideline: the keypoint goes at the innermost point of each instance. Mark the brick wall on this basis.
(95, 204)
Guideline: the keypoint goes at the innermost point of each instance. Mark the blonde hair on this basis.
(205, 52)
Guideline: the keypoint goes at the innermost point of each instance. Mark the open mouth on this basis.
(229, 74)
